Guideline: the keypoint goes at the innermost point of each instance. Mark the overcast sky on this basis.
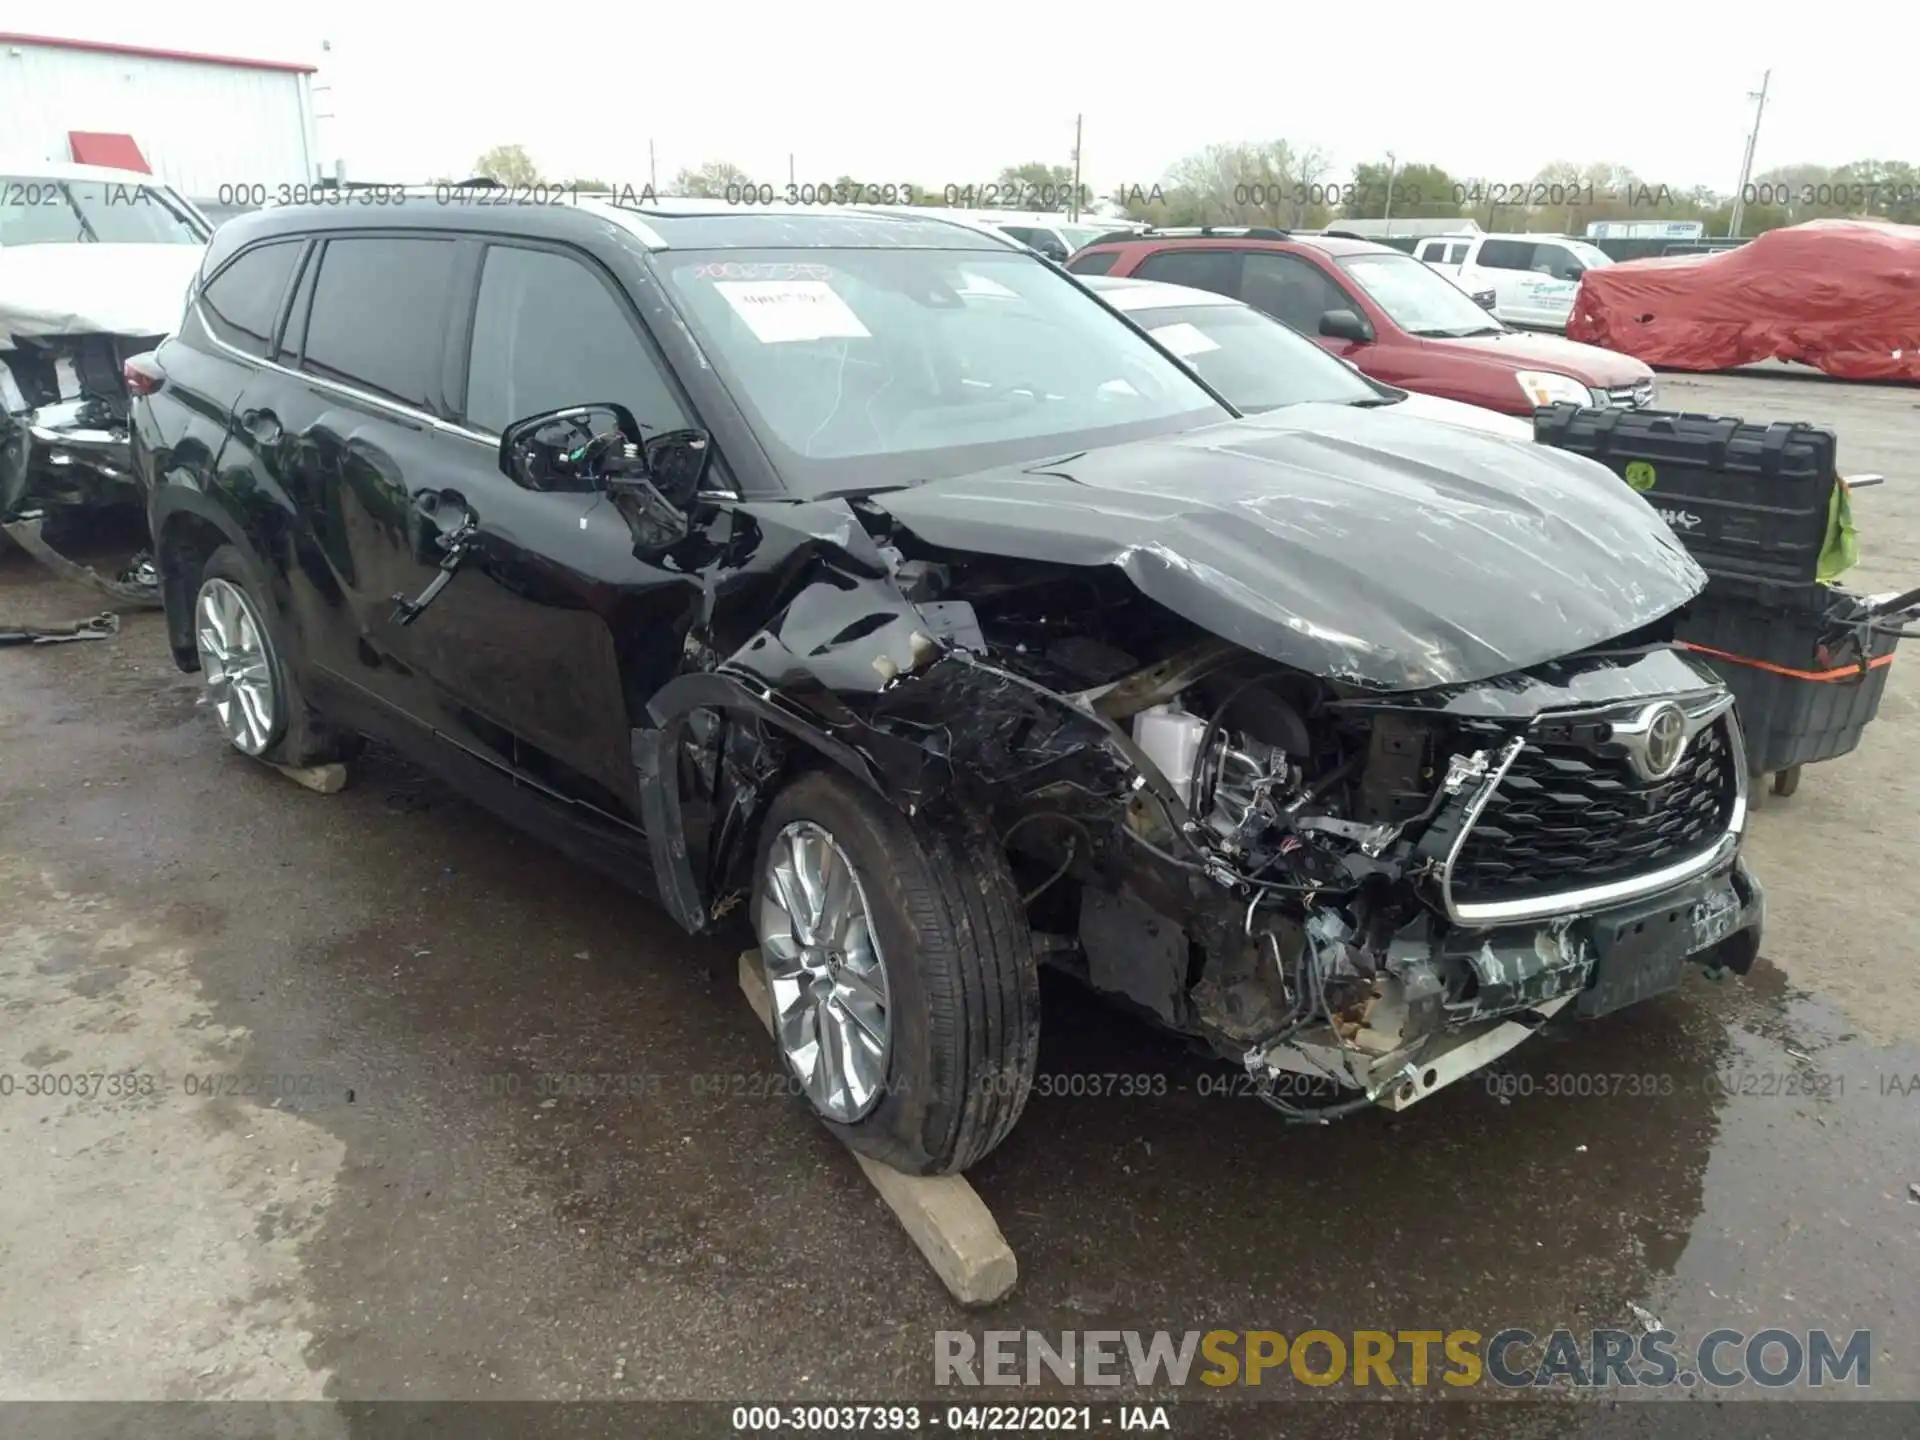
(938, 94)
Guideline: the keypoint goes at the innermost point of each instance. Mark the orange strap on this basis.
(1845, 672)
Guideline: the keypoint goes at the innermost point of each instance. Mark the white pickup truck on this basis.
(1533, 277)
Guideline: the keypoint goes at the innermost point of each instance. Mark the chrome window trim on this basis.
(397, 407)
(382, 402)
(1701, 712)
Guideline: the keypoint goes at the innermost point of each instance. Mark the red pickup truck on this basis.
(1390, 315)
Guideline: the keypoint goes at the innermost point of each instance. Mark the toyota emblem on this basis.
(1666, 738)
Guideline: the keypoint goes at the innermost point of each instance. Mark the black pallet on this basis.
(1749, 502)
(1793, 720)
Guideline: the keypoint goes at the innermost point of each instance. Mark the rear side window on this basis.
(1506, 254)
(242, 302)
(1098, 263)
(378, 320)
(1215, 270)
(548, 333)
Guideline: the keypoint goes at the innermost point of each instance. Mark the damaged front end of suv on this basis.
(1356, 760)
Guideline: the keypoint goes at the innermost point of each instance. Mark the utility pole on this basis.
(1392, 164)
(653, 176)
(1746, 165)
(1073, 203)
(790, 167)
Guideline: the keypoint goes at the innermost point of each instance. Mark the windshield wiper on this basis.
(1374, 402)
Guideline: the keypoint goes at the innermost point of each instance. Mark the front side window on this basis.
(548, 333)
(880, 367)
(378, 317)
(1506, 254)
(1295, 292)
(1418, 298)
(243, 300)
(1257, 363)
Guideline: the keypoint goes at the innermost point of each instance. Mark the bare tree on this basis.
(1270, 183)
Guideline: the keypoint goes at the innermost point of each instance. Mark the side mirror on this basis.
(1345, 325)
(651, 482)
(557, 450)
(1574, 272)
(1486, 299)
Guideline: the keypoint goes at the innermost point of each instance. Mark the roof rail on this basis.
(1202, 232)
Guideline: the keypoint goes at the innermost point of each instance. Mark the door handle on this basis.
(451, 524)
(439, 515)
(262, 425)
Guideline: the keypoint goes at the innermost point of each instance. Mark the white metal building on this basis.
(198, 122)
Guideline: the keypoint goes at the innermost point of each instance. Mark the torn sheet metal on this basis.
(1394, 556)
(138, 589)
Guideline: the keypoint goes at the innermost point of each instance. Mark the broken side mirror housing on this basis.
(651, 482)
(562, 449)
(1346, 325)
(658, 503)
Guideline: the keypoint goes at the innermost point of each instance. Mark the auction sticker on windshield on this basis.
(779, 311)
(1184, 339)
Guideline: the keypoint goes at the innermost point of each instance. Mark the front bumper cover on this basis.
(1525, 975)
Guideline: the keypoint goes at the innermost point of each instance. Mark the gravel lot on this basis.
(348, 1178)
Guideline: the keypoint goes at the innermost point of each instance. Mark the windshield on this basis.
(1080, 236)
(69, 212)
(1419, 299)
(1253, 360)
(866, 368)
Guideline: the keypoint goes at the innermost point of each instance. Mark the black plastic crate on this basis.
(1828, 667)
(1748, 501)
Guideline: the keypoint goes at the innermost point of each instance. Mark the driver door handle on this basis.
(262, 425)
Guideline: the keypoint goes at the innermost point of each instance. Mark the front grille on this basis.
(1631, 397)
(1568, 816)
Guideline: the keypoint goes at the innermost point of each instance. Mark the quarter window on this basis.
(242, 302)
(378, 320)
(548, 333)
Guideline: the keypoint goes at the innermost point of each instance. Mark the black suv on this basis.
(869, 570)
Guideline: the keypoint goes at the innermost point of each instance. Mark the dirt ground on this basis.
(410, 1108)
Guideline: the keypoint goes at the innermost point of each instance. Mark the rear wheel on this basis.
(250, 689)
(905, 994)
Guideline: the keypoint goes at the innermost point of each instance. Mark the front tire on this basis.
(906, 998)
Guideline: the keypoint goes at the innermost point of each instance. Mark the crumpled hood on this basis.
(92, 289)
(1355, 544)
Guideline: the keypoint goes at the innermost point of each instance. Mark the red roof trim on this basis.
(188, 56)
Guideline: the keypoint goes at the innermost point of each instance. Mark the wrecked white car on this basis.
(94, 267)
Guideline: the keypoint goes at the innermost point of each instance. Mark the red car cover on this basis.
(1840, 295)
